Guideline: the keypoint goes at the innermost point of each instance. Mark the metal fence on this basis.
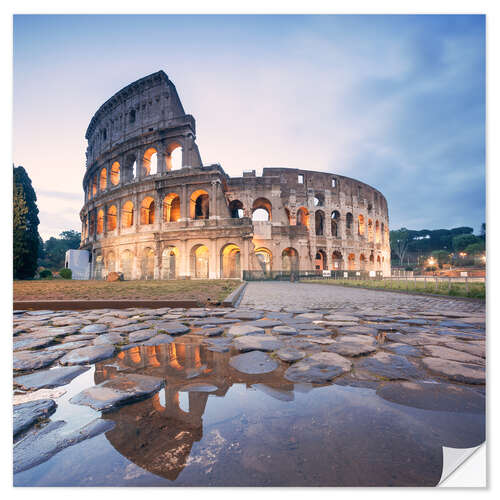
(296, 275)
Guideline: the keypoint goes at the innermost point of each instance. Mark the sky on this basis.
(397, 102)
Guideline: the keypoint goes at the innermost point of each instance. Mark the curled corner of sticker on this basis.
(453, 458)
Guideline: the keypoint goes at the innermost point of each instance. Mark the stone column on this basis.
(156, 272)
(162, 167)
(184, 259)
(119, 203)
(213, 209)
(137, 218)
(212, 260)
(184, 203)
(108, 176)
(158, 212)
(138, 168)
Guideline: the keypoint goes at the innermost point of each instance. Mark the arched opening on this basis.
(264, 258)
(351, 262)
(110, 262)
(126, 264)
(199, 261)
(370, 230)
(382, 232)
(319, 200)
(230, 261)
(372, 260)
(111, 218)
(337, 260)
(303, 217)
(261, 210)
(290, 260)
(147, 211)
(103, 180)
(199, 205)
(94, 186)
(335, 223)
(236, 209)
(171, 207)
(115, 173)
(129, 168)
(361, 225)
(148, 264)
(377, 231)
(100, 221)
(319, 222)
(98, 267)
(127, 214)
(150, 162)
(320, 261)
(348, 222)
(173, 158)
(169, 263)
(362, 262)
(379, 263)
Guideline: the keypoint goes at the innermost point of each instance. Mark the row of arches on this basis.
(142, 265)
(107, 220)
(151, 163)
(262, 211)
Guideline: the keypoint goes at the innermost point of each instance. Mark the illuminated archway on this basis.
(111, 218)
(230, 261)
(169, 263)
(103, 179)
(264, 258)
(361, 225)
(199, 261)
(150, 162)
(115, 173)
(351, 262)
(147, 264)
(147, 211)
(100, 221)
(171, 207)
(127, 214)
(320, 262)
(370, 230)
(173, 157)
(199, 205)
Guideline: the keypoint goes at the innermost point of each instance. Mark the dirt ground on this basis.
(201, 290)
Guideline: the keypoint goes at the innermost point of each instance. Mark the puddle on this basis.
(248, 430)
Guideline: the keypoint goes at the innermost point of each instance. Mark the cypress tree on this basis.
(26, 240)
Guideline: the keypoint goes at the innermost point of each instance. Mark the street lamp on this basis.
(432, 261)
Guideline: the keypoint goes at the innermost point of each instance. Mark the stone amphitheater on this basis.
(153, 211)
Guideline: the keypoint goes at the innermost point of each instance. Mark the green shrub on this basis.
(45, 274)
(65, 273)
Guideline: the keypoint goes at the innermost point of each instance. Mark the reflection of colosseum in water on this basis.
(154, 211)
(158, 434)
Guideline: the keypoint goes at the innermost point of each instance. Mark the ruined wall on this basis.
(150, 220)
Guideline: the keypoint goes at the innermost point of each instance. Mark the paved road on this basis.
(277, 295)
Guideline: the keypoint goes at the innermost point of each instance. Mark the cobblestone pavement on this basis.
(421, 352)
(277, 295)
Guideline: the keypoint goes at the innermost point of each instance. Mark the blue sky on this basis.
(395, 101)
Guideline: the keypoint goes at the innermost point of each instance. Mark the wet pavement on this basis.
(286, 395)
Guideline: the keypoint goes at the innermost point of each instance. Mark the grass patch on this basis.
(201, 290)
(470, 290)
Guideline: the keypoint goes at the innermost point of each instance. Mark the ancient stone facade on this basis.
(154, 211)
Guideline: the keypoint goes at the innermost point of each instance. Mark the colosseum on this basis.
(152, 210)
